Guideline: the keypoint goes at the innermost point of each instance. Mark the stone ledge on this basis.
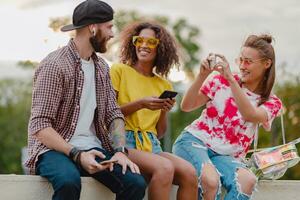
(25, 187)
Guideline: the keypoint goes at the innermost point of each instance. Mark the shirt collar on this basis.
(75, 53)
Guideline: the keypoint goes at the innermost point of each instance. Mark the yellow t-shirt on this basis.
(131, 86)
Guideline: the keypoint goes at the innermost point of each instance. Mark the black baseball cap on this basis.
(90, 12)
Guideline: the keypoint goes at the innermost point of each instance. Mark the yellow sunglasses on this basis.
(151, 42)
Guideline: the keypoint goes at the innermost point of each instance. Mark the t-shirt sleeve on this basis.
(272, 107)
(211, 85)
(169, 86)
(115, 75)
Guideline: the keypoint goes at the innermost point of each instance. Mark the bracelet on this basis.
(78, 161)
(73, 155)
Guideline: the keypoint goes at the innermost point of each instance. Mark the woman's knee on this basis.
(209, 178)
(187, 174)
(247, 180)
(164, 170)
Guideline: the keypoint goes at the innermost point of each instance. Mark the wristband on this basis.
(74, 153)
(123, 150)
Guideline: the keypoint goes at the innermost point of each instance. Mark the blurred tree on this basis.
(289, 94)
(28, 64)
(14, 113)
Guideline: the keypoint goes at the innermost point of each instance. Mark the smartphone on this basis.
(168, 94)
(107, 162)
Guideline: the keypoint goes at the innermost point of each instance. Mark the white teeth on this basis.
(144, 52)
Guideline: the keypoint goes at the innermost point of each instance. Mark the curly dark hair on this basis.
(167, 55)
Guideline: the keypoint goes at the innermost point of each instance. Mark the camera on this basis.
(212, 60)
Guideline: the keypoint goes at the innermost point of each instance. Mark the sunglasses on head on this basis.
(246, 61)
(151, 42)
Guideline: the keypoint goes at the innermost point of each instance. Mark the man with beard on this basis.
(75, 123)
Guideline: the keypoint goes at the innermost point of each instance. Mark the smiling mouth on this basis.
(144, 52)
(244, 73)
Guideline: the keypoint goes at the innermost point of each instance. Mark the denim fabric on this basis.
(131, 144)
(64, 176)
(197, 153)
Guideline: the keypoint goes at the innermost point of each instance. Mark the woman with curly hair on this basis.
(148, 52)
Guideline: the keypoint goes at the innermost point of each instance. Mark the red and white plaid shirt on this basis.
(57, 88)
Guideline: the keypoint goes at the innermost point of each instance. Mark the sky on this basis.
(224, 25)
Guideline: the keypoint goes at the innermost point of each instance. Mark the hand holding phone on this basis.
(167, 94)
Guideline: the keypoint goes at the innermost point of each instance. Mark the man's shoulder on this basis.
(57, 59)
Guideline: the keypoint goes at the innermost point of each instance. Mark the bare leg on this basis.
(185, 177)
(158, 170)
(210, 181)
(246, 180)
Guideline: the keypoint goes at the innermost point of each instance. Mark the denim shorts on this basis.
(197, 153)
(131, 143)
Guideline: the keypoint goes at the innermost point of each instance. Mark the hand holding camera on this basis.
(208, 65)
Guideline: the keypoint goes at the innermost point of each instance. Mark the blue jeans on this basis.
(131, 143)
(197, 153)
(64, 176)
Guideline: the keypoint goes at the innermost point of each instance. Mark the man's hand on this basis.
(124, 161)
(88, 162)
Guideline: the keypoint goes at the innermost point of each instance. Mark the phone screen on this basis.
(168, 94)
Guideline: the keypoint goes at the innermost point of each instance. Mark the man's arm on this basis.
(51, 139)
(117, 133)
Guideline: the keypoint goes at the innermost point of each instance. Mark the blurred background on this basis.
(30, 30)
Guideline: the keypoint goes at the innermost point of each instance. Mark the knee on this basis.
(188, 175)
(210, 179)
(246, 180)
(164, 171)
(210, 182)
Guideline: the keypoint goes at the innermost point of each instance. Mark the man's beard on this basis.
(98, 42)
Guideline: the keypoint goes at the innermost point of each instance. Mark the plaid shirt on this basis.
(57, 89)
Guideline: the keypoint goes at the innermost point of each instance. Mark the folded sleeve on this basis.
(272, 107)
(47, 94)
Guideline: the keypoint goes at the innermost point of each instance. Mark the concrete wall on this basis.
(20, 187)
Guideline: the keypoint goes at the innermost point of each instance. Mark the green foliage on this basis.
(289, 94)
(14, 114)
(28, 64)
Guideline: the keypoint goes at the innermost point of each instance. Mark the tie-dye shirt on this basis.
(221, 126)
